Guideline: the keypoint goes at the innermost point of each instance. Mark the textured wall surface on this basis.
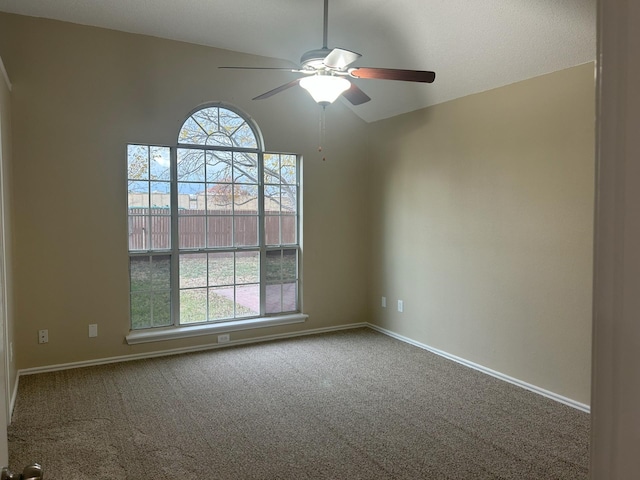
(477, 212)
(80, 94)
(482, 222)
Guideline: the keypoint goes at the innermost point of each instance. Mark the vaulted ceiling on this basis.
(472, 45)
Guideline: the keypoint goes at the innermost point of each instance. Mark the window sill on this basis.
(172, 333)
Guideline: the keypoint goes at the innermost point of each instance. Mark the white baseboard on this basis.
(176, 351)
(488, 371)
(14, 395)
(124, 358)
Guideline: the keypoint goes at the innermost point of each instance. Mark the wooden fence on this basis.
(198, 230)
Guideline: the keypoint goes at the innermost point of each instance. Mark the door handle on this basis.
(30, 472)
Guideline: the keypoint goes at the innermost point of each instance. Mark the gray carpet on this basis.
(346, 405)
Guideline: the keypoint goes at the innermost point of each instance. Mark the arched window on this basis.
(213, 225)
(218, 127)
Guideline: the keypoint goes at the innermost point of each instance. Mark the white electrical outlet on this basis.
(93, 330)
(384, 302)
(43, 336)
(223, 338)
(400, 306)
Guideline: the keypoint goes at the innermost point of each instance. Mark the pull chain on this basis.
(322, 130)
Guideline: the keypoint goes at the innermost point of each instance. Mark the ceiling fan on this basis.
(325, 73)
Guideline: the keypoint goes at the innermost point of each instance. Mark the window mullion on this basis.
(175, 259)
(261, 236)
(298, 233)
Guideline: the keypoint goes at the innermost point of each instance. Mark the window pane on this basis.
(208, 119)
(247, 300)
(288, 169)
(219, 231)
(138, 232)
(245, 199)
(192, 133)
(247, 267)
(193, 270)
(221, 269)
(289, 297)
(229, 121)
(191, 198)
(288, 203)
(161, 304)
(191, 231)
(150, 291)
(138, 194)
(160, 232)
(288, 225)
(271, 199)
(140, 273)
(219, 198)
(272, 229)
(244, 137)
(193, 305)
(190, 165)
(161, 198)
(274, 298)
(137, 162)
(140, 310)
(245, 168)
(161, 272)
(219, 166)
(219, 139)
(273, 266)
(220, 303)
(160, 162)
(289, 264)
(245, 231)
(271, 168)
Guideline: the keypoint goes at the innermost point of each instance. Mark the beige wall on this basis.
(482, 222)
(477, 213)
(80, 94)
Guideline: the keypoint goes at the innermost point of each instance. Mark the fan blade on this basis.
(279, 89)
(340, 58)
(355, 95)
(294, 70)
(393, 74)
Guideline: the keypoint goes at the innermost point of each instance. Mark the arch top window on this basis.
(218, 127)
(214, 228)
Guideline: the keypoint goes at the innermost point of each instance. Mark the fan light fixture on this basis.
(325, 69)
(325, 89)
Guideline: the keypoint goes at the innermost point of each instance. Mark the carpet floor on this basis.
(353, 404)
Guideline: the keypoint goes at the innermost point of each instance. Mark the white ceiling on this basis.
(472, 45)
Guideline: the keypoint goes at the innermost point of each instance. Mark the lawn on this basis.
(206, 280)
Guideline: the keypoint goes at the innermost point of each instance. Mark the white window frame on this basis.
(177, 330)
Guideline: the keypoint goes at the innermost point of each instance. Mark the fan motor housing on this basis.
(314, 58)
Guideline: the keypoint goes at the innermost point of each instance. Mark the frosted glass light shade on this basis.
(325, 88)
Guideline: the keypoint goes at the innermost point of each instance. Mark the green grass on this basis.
(150, 285)
(193, 269)
(150, 309)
